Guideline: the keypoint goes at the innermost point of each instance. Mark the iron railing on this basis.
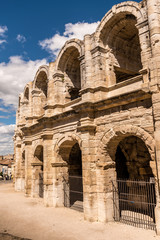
(134, 203)
(73, 192)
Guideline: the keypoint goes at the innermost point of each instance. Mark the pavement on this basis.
(28, 219)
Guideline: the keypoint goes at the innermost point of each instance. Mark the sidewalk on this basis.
(28, 218)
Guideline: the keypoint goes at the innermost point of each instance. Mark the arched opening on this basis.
(19, 102)
(75, 177)
(70, 65)
(39, 94)
(38, 188)
(70, 153)
(23, 163)
(23, 170)
(133, 160)
(121, 36)
(41, 82)
(26, 94)
(135, 182)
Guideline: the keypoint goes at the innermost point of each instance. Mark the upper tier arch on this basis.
(41, 79)
(128, 7)
(66, 49)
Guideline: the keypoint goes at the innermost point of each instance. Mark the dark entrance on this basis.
(134, 196)
(73, 186)
(38, 171)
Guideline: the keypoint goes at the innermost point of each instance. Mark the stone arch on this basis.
(128, 7)
(23, 156)
(119, 35)
(19, 101)
(39, 152)
(36, 145)
(67, 138)
(26, 93)
(115, 135)
(69, 175)
(38, 142)
(68, 63)
(40, 91)
(23, 163)
(37, 171)
(74, 43)
(41, 80)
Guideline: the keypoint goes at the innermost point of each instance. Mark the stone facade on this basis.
(98, 103)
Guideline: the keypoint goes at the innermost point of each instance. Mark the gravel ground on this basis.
(27, 218)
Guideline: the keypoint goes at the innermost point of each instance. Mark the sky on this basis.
(31, 34)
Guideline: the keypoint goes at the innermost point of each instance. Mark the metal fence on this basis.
(73, 192)
(41, 186)
(134, 203)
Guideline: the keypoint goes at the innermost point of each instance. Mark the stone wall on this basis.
(102, 96)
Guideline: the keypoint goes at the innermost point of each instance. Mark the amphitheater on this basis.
(87, 131)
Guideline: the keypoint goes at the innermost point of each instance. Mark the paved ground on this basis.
(27, 218)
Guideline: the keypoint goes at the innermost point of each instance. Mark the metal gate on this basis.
(73, 192)
(134, 203)
(41, 187)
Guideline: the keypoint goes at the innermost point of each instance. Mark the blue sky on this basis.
(31, 34)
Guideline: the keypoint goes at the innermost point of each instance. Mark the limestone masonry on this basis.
(93, 116)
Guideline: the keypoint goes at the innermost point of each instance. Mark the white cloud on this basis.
(6, 142)
(13, 77)
(4, 110)
(5, 117)
(21, 38)
(77, 30)
(2, 41)
(3, 29)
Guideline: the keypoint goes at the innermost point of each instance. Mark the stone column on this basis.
(56, 94)
(154, 28)
(99, 62)
(153, 7)
(60, 171)
(35, 181)
(28, 167)
(88, 62)
(22, 169)
(105, 175)
(18, 157)
(37, 104)
(47, 169)
(87, 129)
(145, 44)
(89, 175)
(156, 116)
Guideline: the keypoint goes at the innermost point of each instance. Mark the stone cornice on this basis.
(87, 128)
(90, 107)
(81, 58)
(25, 102)
(27, 142)
(36, 91)
(98, 49)
(47, 135)
(58, 74)
(59, 164)
(46, 107)
(142, 24)
(93, 90)
(121, 100)
(18, 145)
